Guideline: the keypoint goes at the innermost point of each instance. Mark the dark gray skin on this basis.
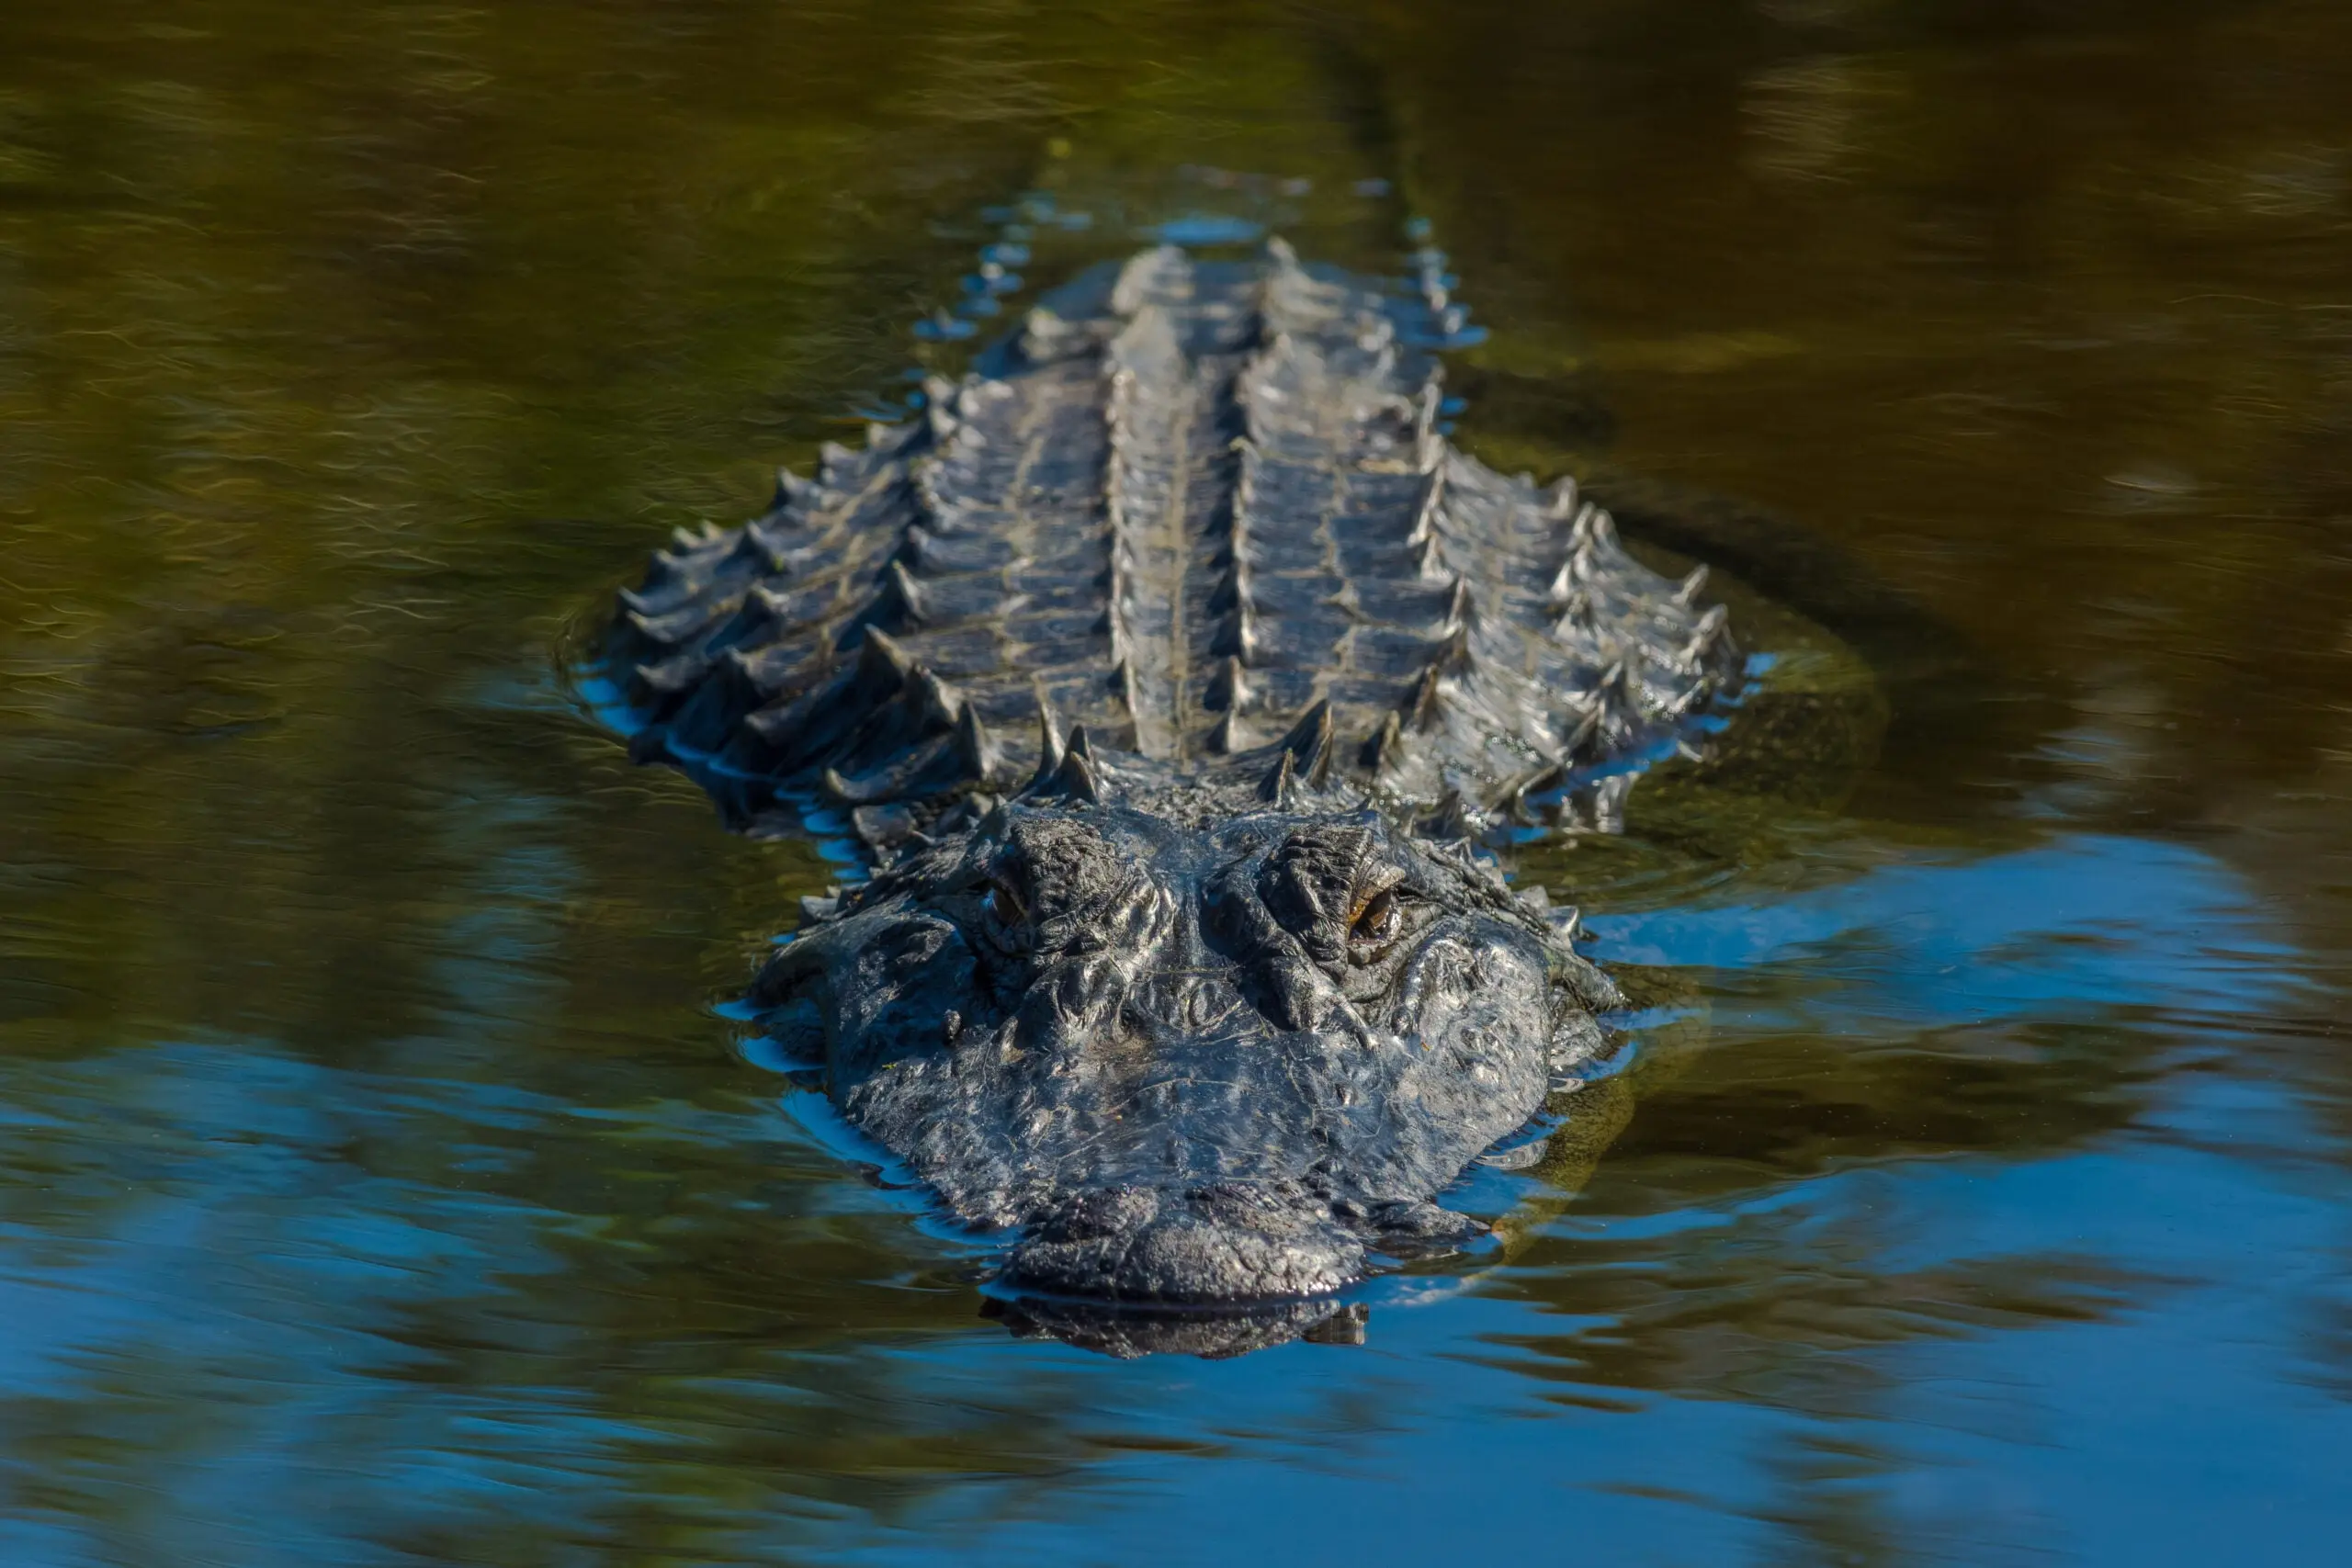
(1215, 1065)
(1207, 1019)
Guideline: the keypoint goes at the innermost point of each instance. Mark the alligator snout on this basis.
(1202, 1071)
(1226, 1244)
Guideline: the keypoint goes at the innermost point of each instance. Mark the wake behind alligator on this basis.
(1172, 669)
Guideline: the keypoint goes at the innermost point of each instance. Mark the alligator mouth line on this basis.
(1211, 1334)
(1009, 1294)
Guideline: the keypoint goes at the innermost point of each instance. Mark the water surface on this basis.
(379, 1181)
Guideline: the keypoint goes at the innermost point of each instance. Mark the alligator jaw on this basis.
(1231, 1244)
(1234, 1263)
(1129, 1332)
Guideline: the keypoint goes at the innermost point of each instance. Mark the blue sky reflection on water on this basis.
(380, 1181)
(2142, 1365)
(2186, 1402)
(2075, 925)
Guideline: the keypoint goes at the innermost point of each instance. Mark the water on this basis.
(379, 1182)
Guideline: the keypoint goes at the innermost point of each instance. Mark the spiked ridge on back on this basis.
(1202, 514)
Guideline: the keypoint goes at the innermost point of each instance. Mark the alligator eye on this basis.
(1004, 904)
(1376, 919)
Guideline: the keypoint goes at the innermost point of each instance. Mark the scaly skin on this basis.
(1207, 1017)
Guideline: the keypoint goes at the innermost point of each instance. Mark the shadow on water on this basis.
(377, 1182)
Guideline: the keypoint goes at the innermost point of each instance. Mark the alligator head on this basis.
(1192, 1065)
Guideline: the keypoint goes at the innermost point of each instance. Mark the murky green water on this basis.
(377, 1182)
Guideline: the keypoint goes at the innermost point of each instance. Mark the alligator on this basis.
(1174, 672)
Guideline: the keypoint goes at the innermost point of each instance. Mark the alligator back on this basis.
(1187, 506)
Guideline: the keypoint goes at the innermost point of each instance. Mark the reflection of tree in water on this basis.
(304, 329)
(1989, 342)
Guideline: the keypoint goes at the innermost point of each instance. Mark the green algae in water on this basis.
(379, 1187)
